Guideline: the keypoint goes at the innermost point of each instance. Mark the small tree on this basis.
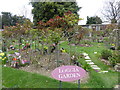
(94, 20)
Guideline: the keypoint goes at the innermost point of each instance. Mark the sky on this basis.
(22, 7)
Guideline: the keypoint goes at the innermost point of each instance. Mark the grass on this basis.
(13, 78)
(97, 80)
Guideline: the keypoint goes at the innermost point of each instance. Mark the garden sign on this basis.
(68, 73)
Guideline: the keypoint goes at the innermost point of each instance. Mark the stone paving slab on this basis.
(87, 57)
(85, 54)
(87, 60)
(90, 63)
(102, 71)
(96, 68)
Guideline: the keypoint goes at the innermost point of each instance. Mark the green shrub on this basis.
(115, 58)
(118, 48)
(86, 67)
(105, 54)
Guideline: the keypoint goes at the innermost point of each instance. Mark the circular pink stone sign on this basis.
(68, 73)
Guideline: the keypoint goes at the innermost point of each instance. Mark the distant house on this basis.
(95, 27)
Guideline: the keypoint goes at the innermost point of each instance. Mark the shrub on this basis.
(115, 58)
(105, 54)
(86, 67)
(118, 48)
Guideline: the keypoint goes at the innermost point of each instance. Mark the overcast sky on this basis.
(19, 7)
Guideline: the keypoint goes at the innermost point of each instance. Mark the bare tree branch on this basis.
(112, 11)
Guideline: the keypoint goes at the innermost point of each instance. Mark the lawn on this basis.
(13, 78)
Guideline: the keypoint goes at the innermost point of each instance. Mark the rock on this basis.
(112, 47)
(117, 67)
(117, 86)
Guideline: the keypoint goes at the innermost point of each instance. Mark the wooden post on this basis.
(57, 49)
(60, 85)
(79, 84)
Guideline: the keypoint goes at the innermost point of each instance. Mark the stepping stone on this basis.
(85, 54)
(87, 60)
(102, 71)
(95, 67)
(87, 57)
(90, 62)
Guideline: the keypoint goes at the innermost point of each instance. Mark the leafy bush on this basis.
(105, 54)
(115, 58)
(86, 67)
(118, 48)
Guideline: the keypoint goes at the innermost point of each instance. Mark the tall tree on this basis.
(93, 20)
(111, 11)
(10, 20)
(46, 10)
(6, 19)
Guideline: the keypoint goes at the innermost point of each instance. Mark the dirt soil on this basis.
(45, 64)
